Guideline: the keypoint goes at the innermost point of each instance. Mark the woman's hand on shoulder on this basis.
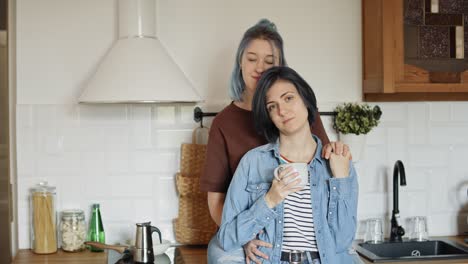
(339, 165)
(338, 148)
(282, 186)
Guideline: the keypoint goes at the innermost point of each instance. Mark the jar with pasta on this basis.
(43, 219)
(73, 230)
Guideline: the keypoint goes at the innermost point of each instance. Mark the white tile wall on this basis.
(140, 128)
(126, 156)
(430, 139)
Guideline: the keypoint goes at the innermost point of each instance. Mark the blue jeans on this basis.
(217, 255)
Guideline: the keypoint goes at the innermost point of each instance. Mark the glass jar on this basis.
(43, 219)
(73, 230)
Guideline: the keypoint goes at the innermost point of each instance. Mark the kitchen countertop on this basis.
(182, 254)
(26, 256)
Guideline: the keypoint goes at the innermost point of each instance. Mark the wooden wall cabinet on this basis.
(386, 77)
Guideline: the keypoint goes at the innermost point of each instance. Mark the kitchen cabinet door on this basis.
(389, 72)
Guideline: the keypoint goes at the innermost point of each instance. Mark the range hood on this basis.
(138, 69)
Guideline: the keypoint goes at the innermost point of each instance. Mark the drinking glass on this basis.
(374, 233)
(418, 226)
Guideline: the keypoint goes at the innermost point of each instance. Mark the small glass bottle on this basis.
(96, 228)
(43, 219)
(73, 230)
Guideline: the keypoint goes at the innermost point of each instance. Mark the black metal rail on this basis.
(198, 114)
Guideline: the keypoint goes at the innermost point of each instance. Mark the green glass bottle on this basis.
(96, 228)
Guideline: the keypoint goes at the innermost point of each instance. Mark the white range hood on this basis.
(138, 69)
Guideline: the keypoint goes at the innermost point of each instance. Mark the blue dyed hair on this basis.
(266, 30)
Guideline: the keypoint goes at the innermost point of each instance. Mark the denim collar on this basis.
(274, 148)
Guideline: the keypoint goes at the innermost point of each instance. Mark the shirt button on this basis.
(277, 245)
(330, 213)
(279, 221)
(254, 234)
(268, 218)
(258, 187)
(334, 187)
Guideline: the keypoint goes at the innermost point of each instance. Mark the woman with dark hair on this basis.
(311, 224)
(232, 132)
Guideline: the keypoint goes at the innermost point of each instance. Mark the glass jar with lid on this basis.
(43, 219)
(73, 230)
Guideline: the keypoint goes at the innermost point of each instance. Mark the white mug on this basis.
(300, 167)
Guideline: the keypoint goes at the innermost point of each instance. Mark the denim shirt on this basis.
(246, 215)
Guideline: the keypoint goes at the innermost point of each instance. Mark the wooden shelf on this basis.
(414, 97)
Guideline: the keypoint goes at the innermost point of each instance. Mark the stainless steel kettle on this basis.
(143, 251)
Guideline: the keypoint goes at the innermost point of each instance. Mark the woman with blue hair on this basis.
(232, 132)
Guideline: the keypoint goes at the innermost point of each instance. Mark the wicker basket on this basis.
(192, 159)
(192, 236)
(194, 225)
(194, 212)
(188, 185)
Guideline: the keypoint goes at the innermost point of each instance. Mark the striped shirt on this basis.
(298, 231)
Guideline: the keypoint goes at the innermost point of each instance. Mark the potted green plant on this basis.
(353, 121)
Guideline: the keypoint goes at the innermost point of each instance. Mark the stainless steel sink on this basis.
(412, 250)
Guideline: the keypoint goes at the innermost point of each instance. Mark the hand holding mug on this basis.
(286, 181)
(300, 167)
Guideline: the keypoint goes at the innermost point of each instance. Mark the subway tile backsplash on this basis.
(126, 157)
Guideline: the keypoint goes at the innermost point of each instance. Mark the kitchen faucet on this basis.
(397, 231)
